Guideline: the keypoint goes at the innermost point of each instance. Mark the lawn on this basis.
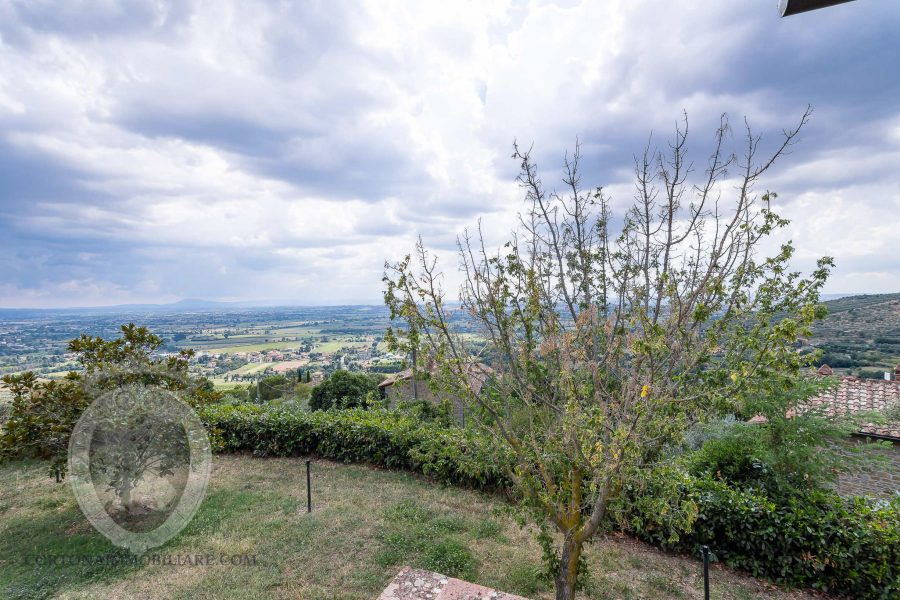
(366, 524)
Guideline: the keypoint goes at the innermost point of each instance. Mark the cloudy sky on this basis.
(281, 151)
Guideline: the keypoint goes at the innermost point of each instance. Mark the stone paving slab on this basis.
(416, 584)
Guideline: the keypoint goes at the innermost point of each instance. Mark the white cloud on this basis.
(152, 151)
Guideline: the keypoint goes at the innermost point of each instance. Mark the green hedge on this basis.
(815, 539)
(379, 437)
(812, 540)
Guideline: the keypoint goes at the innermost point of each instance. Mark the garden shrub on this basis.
(270, 388)
(811, 539)
(426, 410)
(343, 389)
(41, 418)
(790, 451)
(741, 460)
(380, 437)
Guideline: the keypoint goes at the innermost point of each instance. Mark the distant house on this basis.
(855, 395)
(402, 386)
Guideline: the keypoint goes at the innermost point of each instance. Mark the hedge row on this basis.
(379, 437)
(814, 540)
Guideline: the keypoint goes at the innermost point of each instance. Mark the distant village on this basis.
(231, 367)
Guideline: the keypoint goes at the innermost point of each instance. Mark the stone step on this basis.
(416, 584)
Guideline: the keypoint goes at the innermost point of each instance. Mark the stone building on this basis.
(402, 386)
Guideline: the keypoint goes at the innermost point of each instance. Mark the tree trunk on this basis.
(568, 569)
(125, 496)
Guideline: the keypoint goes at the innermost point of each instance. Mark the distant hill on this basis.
(861, 334)
(186, 305)
(847, 303)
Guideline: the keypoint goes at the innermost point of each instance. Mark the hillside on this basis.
(861, 334)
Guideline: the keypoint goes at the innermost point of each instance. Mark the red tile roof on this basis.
(863, 395)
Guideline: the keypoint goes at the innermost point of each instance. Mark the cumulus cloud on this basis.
(151, 151)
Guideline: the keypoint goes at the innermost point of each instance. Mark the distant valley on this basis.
(236, 343)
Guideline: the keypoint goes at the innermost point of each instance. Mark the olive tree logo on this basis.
(139, 461)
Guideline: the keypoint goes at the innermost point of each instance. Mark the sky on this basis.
(152, 151)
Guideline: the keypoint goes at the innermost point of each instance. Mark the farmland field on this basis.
(280, 339)
(861, 335)
(253, 346)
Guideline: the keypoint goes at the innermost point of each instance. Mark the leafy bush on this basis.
(43, 413)
(380, 437)
(779, 460)
(426, 410)
(788, 451)
(812, 539)
(698, 434)
(342, 389)
(303, 392)
(5, 409)
(741, 459)
(235, 395)
(892, 412)
(270, 388)
(41, 417)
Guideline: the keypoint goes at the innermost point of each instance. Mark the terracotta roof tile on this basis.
(863, 395)
(825, 370)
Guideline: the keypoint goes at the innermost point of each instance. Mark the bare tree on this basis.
(606, 346)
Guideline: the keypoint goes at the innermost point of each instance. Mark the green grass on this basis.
(251, 368)
(231, 348)
(333, 345)
(366, 524)
(232, 344)
(298, 330)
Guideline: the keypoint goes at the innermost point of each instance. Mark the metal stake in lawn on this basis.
(705, 550)
(308, 489)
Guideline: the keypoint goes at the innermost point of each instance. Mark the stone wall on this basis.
(882, 480)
